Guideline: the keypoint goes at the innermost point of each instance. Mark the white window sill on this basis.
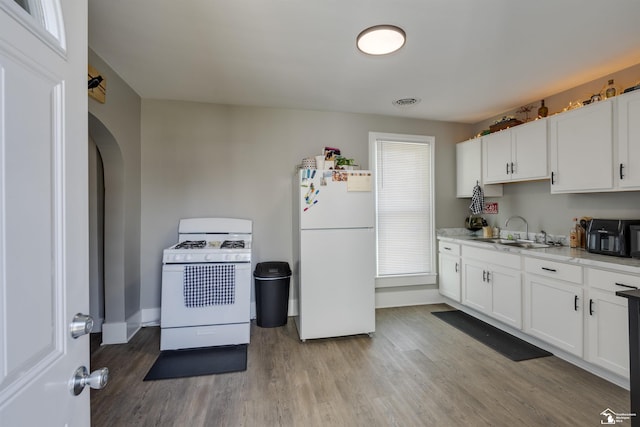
(406, 280)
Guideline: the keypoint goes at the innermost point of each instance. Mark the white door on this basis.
(581, 149)
(43, 210)
(476, 290)
(337, 283)
(553, 313)
(627, 170)
(608, 331)
(449, 278)
(506, 295)
(529, 152)
(496, 157)
(333, 200)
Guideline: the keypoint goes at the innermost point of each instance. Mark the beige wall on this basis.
(201, 160)
(553, 213)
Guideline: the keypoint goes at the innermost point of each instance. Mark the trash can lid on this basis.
(272, 269)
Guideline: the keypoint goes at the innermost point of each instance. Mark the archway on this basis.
(114, 328)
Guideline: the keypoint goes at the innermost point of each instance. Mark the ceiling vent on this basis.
(406, 102)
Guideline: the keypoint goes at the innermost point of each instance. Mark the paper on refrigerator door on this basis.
(359, 181)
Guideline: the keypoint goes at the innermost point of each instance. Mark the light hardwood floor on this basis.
(416, 371)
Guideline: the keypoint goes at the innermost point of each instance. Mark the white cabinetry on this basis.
(627, 171)
(607, 320)
(581, 145)
(449, 270)
(492, 284)
(469, 170)
(553, 300)
(516, 154)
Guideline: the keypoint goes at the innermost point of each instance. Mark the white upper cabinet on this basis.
(469, 170)
(627, 169)
(581, 145)
(516, 154)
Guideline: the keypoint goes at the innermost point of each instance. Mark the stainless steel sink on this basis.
(525, 244)
(532, 245)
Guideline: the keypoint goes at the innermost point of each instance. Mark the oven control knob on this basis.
(179, 257)
(188, 258)
(208, 257)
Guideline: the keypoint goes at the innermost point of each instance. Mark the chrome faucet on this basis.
(526, 225)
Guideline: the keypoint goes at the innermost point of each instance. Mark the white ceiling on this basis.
(467, 60)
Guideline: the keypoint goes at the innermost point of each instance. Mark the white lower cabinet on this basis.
(449, 270)
(553, 308)
(492, 284)
(607, 319)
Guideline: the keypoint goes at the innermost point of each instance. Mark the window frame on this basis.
(417, 279)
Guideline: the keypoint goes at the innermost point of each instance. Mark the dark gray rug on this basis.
(506, 344)
(198, 361)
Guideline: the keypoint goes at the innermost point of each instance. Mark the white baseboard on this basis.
(150, 317)
(121, 332)
(134, 323)
(114, 333)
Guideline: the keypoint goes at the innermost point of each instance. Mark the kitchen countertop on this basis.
(554, 253)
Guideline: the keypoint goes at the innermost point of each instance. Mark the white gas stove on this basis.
(206, 284)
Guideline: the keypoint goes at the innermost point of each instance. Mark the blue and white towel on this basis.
(477, 200)
(206, 285)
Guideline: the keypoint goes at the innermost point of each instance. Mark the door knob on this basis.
(81, 324)
(81, 378)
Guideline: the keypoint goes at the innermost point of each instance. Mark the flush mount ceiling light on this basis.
(381, 39)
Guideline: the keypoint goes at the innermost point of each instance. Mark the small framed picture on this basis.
(330, 153)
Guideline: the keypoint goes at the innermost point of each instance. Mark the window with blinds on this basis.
(404, 204)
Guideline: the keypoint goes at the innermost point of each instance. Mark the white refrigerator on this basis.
(334, 253)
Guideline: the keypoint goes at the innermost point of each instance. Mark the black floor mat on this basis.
(199, 361)
(506, 344)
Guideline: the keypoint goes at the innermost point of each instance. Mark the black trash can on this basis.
(272, 293)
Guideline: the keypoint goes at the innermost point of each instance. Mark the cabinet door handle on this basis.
(590, 307)
(575, 303)
(621, 173)
(507, 165)
(626, 286)
(552, 178)
(484, 275)
(488, 272)
(511, 168)
(553, 270)
(446, 248)
(457, 267)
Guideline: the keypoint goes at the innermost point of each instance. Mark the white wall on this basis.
(202, 160)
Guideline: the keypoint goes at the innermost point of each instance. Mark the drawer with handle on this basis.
(556, 270)
(611, 281)
(448, 248)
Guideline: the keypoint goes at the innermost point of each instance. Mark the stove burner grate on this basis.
(191, 244)
(232, 244)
